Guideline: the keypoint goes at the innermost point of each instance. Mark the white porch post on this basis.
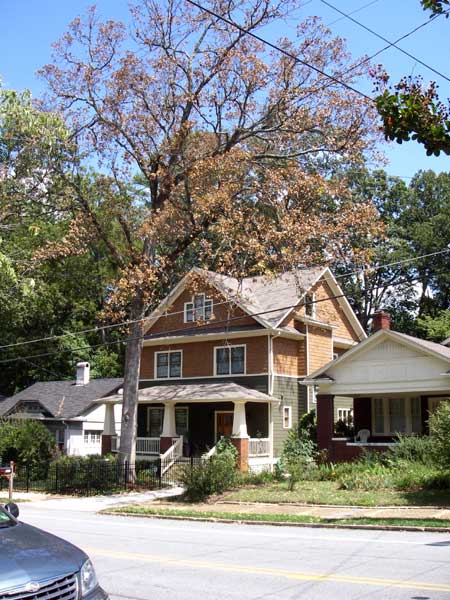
(169, 427)
(239, 420)
(109, 426)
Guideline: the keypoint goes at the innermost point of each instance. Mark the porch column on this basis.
(240, 435)
(169, 428)
(362, 414)
(325, 421)
(109, 429)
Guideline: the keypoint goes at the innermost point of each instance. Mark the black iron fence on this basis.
(96, 477)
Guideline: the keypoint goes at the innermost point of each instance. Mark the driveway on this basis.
(145, 559)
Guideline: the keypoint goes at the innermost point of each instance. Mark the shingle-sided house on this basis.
(394, 381)
(67, 409)
(228, 358)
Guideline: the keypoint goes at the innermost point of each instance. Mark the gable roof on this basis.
(62, 399)
(268, 299)
(431, 348)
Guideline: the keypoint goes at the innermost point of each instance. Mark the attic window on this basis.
(200, 309)
(310, 305)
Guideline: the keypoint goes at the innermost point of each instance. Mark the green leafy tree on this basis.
(411, 110)
(436, 328)
(28, 443)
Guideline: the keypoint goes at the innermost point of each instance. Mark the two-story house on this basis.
(223, 357)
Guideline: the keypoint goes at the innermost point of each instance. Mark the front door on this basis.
(224, 424)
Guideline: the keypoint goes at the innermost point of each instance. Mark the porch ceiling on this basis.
(203, 392)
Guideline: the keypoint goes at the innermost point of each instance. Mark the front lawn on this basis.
(328, 492)
(276, 517)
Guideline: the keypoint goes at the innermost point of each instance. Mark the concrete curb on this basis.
(281, 523)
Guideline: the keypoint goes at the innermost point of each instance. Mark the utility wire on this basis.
(195, 326)
(391, 44)
(230, 299)
(281, 50)
(353, 12)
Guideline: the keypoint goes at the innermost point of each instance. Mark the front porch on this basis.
(195, 417)
(377, 421)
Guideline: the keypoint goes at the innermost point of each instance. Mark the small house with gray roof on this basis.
(67, 408)
(226, 357)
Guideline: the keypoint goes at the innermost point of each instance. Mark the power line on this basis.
(391, 44)
(229, 299)
(157, 336)
(281, 50)
(353, 12)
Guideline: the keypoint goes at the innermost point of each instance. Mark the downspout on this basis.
(307, 366)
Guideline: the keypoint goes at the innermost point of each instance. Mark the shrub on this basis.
(298, 456)
(211, 476)
(411, 448)
(27, 442)
(439, 424)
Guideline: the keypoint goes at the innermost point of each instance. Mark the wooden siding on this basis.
(198, 357)
(320, 347)
(221, 312)
(290, 393)
(289, 357)
(331, 311)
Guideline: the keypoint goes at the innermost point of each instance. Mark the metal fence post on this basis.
(126, 475)
(28, 477)
(56, 478)
(160, 472)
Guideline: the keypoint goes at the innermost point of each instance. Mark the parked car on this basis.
(36, 565)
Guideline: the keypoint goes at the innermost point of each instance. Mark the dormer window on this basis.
(310, 305)
(200, 309)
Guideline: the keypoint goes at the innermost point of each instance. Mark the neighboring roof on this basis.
(193, 331)
(63, 399)
(437, 350)
(198, 392)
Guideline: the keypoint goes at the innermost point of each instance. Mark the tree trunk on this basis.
(128, 431)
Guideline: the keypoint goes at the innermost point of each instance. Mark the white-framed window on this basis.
(287, 417)
(199, 309)
(434, 401)
(310, 305)
(168, 365)
(345, 415)
(229, 360)
(396, 415)
(92, 437)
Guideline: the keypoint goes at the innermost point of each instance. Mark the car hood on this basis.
(30, 554)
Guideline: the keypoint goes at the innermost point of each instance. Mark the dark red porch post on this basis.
(362, 414)
(106, 444)
(325, 421)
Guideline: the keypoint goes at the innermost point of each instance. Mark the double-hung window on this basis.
(200, 309)
(168, 364)
(230, 360)
(92, 437)
(396, 415)
(287, 417)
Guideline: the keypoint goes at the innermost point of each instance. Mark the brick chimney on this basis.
(83, 373)
(381, 320)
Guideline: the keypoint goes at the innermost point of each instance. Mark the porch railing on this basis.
(169, 457)
(143, 445)
(259, 447)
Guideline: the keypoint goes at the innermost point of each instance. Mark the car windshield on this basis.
(5, 519)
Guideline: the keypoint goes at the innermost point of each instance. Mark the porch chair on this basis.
(363, 436)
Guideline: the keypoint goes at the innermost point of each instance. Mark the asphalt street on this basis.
(147, 559)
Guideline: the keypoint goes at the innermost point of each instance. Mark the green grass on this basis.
(276, 518)
(328, 492)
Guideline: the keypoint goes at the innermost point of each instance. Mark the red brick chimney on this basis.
(381, 320)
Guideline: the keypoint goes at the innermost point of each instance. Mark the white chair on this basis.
(363, 436)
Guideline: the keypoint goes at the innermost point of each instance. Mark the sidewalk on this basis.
(324, 512)
(92, 503)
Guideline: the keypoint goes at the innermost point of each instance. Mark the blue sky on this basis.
(28, 28)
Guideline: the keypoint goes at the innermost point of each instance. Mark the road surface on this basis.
(147, 559)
